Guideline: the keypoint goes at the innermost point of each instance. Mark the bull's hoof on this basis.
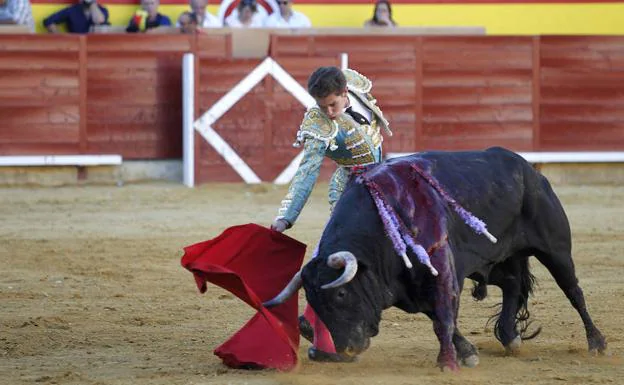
(321, 356)
(514, 346)
(597, 344)
(449, 368)
(305, 329)
(471, 361)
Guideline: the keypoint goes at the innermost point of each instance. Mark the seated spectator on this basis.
(287, 17)
(204, 19)
(382, 15)
(79, 18)
(246, 16)
(18, 12)
(148, 18)
(187, 22)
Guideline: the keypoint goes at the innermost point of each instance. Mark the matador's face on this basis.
(333, 104)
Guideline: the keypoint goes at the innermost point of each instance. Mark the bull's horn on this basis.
(290, 289)
(339, 260)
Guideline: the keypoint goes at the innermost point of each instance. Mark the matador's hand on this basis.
(279, 225)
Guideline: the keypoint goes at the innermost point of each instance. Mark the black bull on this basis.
(357, 272)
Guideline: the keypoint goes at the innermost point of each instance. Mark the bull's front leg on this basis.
(444, 330)
(445, 307)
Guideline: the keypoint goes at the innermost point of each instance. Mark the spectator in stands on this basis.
(79, 18)
(247, 16)
(287, 17)
(188, 22)
(18, 12)
(382, 15)
(204, 19)
(147, 18)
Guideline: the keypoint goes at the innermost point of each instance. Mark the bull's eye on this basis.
(341, 294)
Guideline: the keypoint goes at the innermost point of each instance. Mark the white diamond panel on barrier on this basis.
(203, 125)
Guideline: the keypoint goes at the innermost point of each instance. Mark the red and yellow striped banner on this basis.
(498, 17)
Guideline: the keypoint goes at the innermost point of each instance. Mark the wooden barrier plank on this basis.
(214, 46)
(20, 78)
(19, 115)
(479, 78)
(60, 43)
(478, 113)
(68, 148)
(102, 76)
(579, 78)
(35, 61)
(568, 43)
(436, 44)
(136, 93)
(476, 95)
(134, 114)
(589, 61)
(387, 46)
(20, 134)
(22, 87)
(460, 136)
(140, 60)
(134, 150)
(582, 136)
(449, 143)
(583, 112)
(296, 46)
(474, 60)
(135, 43)
(38, 96)
(492, 130)
(570, 94)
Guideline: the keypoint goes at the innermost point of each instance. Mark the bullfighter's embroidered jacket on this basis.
(343, 140)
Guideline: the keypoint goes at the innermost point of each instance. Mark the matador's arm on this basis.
(303, 181)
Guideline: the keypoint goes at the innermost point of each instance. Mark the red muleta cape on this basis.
(255, 264)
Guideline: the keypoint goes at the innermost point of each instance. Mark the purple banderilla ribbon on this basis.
(475, 223)
(397, 231)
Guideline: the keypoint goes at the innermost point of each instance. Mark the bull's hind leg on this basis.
(561, 267)
(516, 282)
(466, 352)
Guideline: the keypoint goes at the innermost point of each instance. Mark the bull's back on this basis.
(493, 178)
(496, 185)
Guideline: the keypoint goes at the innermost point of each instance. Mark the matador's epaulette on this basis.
(318, 126)
(357, 82)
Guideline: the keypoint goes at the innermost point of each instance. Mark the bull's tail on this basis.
(522, 323)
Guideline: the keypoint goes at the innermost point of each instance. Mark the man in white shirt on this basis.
(246, 15)
(287, 17)
(204, 18)
(17, 12)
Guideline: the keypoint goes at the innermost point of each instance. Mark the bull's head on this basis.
(344, 295)
(355, 275)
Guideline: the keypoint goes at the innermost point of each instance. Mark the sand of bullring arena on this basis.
(92, 292)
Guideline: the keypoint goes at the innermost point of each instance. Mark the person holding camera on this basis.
(78, 18)
(147, 18)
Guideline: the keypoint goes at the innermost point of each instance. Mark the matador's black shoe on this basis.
(305, 329)
(320, 356)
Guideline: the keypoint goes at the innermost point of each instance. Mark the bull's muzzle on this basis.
(337, 260)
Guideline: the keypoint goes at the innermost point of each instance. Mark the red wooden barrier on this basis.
(582, 93)
(39, 94)
(122, 93)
